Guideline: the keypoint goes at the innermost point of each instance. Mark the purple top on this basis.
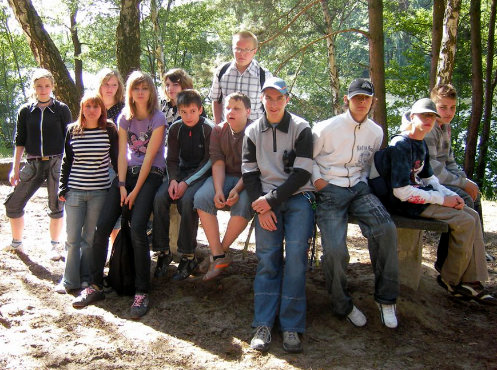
(139, 133)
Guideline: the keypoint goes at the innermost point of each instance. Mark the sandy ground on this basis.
(199, 325)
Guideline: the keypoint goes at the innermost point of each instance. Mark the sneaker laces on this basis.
(263, 333)
(292, 336)
(88, 291)
(139, 298)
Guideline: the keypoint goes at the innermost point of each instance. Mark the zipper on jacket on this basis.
(274, 139)
(41, 132)
(352, 154)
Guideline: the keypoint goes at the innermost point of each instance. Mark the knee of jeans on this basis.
(335, 254)
(387, 229)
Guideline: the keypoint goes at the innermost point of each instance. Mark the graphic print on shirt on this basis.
(415, 170)
(365, 155)
(138, 143)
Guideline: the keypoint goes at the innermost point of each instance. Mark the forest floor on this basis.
(199, 325)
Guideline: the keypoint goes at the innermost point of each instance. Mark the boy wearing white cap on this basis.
(416, 191)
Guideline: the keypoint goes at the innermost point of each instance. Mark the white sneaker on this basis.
(388, 317)
(356, 317)
(60, 288)
(12, 248)
(53, 252)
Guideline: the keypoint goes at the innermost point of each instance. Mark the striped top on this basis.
(86, 159)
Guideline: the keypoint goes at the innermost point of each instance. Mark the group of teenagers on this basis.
(254, 158)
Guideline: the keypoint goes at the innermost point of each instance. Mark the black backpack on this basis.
(262, 77)
(121, 275)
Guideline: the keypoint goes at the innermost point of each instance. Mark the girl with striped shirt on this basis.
(91, 144)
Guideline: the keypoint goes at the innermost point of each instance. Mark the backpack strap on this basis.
(223, 70)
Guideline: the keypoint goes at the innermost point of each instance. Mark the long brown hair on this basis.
(105, 75)
(134, 79)
(80, 123)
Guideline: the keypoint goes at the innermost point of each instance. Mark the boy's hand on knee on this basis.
(453, 201)
(233, 197)
(182, 186)
(219, 200)
(471, 188)
(173, 189)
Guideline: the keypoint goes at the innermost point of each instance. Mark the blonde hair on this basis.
(37, 74)
(137, 78)
(246, 35)
(105, 75)
(92, 97)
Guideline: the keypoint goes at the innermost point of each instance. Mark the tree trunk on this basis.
(158, 42)
(78, 63)
(489, 92)
(448, 48)
(46, 53)
(332, 66)
(377, 64)
(128, 37)
(436, 38)
(477, 88)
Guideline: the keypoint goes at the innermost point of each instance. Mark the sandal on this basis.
(477, 292)
(448, 287)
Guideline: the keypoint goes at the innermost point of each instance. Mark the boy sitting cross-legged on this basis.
(225, 187)
(188, 166)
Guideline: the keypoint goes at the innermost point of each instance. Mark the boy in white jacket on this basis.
(343, 150)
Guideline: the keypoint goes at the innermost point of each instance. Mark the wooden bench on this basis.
(410, 245)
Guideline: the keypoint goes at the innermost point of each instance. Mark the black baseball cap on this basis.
(360, 86)
(424, 105)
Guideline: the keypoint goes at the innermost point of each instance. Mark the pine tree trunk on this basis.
(377, 64)
(128, 38)
(46, 53)
(489, 92)
(477, 88)
(436, 38)
(332, 66)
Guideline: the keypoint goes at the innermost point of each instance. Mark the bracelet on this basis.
(121, 183)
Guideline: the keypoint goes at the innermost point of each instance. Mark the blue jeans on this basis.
(335, 203)
(188, 227)
(31, 177)
(140, 214)
(82, 212)
(279, 285)
(204, 198)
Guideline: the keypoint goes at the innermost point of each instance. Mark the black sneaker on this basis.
(88, 296)
(163, 261)
(185, 268)
(139, 306)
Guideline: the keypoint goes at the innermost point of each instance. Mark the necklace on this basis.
(44, 102)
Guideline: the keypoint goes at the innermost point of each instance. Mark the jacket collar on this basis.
(50, 107)
(282, 125)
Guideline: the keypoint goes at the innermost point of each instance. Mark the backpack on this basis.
(262, 78)
(121, 276)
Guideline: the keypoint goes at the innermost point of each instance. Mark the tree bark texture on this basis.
(436, 38)
(489, 91)
(46, 53)
(477, 88)
(158, 42)
(78, 63)
(128, 38)
(377, 64)
(448, 48)
(332, 66)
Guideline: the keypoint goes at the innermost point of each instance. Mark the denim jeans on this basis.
(188, 227)
(204, 198)
(279, 285)
(335, 203)
(140, 214)
(82, 211)
(32, 176)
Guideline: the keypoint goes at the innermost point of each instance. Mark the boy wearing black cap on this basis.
(343, 150)
(417, 192)
(276, 168)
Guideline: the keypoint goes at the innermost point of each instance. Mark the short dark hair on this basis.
(238, 96)
(188, 97)
(443, 91)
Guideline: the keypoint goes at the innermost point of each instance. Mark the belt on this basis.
(44, 158)
(135, 170)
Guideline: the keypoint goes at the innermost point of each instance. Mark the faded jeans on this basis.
(279, 285)
(335, 203)
(82, 212)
